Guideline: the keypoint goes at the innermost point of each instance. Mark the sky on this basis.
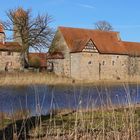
(123, 15)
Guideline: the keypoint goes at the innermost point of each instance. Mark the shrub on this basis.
(35, 62)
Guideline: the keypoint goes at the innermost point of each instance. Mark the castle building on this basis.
(10, 54)
(85, 54)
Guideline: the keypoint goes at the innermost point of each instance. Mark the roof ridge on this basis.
(130, 42)
(87, 29)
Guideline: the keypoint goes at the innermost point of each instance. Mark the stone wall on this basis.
(95, 66)
(11, 60)
(114, 66)
(58, 66)
(85, 66)
(59, 45)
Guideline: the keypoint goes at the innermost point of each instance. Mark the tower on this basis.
(2, 34)
(21, 34)
(20, 26)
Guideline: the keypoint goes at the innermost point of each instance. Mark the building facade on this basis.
(94, 55)
(10, 54)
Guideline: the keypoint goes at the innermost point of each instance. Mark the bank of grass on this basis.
(32, 78)
(100, 124)
(112, 124)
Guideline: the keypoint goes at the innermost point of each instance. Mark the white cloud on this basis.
(86, 6)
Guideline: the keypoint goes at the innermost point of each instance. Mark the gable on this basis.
(90, 47)
(106, 42)
(58, 44)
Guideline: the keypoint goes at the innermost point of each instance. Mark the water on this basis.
(42, 98)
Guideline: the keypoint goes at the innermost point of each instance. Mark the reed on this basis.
(32, 78)
(107, 122)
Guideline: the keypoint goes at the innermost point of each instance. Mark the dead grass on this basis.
(32, 78)
(28, 78)
(103, 124)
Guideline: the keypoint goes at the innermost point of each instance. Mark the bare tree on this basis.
(103, 26)
(29, 31)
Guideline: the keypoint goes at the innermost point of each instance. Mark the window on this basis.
(89, 62)
(113, 62)
(8, 53)
(103, 62)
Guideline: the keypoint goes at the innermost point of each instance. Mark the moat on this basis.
(43, 98)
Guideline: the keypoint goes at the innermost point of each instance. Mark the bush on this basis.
(35, 62)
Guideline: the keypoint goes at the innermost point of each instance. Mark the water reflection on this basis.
(42, 98)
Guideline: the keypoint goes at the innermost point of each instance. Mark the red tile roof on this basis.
(42, 56)
(133, 48)
(55, 55)
(1, 29)
(10, 46)
(107, 42)
(20, 12)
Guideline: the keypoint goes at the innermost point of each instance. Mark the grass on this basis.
(28, 78)
(100, 124)
(104, 123)
(32, 78)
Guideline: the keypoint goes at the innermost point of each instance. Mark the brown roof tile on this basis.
(107, 42)
(42, 56)
(10, 46)
(133, 48)
(1, 29)
(55, 55)
(20, 12)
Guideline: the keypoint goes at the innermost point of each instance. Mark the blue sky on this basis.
(124, 15)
